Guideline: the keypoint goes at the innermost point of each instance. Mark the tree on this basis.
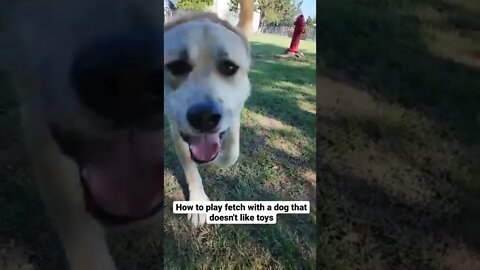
(194, 4)
(233, 6)
(291, 13)
(312, 21)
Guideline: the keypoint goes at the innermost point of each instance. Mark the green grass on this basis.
(281, 43)
(277, 163)
(398, 134)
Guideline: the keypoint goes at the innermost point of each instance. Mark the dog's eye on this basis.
(179, 67)
(227, 68)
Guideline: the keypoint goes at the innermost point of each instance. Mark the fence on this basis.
(310, 32)
(168, 15)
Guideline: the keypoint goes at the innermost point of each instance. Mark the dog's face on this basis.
(94, 70)
(206, 64)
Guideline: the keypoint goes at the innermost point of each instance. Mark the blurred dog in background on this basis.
(90, 79)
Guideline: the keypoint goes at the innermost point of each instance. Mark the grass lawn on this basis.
(277, 163)
(398, 134)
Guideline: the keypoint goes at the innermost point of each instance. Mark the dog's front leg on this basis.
(194, 180)
(230, 146)
(58, 181)
(85, 245)
(82, 237)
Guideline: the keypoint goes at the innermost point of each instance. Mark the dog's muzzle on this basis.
(205, 116)
(204, 148)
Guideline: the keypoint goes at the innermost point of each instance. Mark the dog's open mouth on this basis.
(122, 178)
(204, 148)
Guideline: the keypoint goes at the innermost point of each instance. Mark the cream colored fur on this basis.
(201, 36)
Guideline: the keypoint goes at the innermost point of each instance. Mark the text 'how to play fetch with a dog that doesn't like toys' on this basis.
(241, 212)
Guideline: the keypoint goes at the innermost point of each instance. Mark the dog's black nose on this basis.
(204, 116)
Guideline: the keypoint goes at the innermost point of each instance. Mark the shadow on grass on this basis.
(379, 226)
(385, 51)
(382, 209)
(276, 91)
(379, 46)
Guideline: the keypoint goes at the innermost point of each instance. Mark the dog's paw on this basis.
(198, 220)
(227, 159)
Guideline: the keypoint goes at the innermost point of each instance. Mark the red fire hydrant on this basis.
(300, 26)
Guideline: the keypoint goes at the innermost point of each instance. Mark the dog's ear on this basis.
(247, 7)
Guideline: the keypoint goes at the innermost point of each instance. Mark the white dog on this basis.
(206, 85)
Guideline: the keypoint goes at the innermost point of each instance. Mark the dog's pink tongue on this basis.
(125, 178)
(205, 147)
